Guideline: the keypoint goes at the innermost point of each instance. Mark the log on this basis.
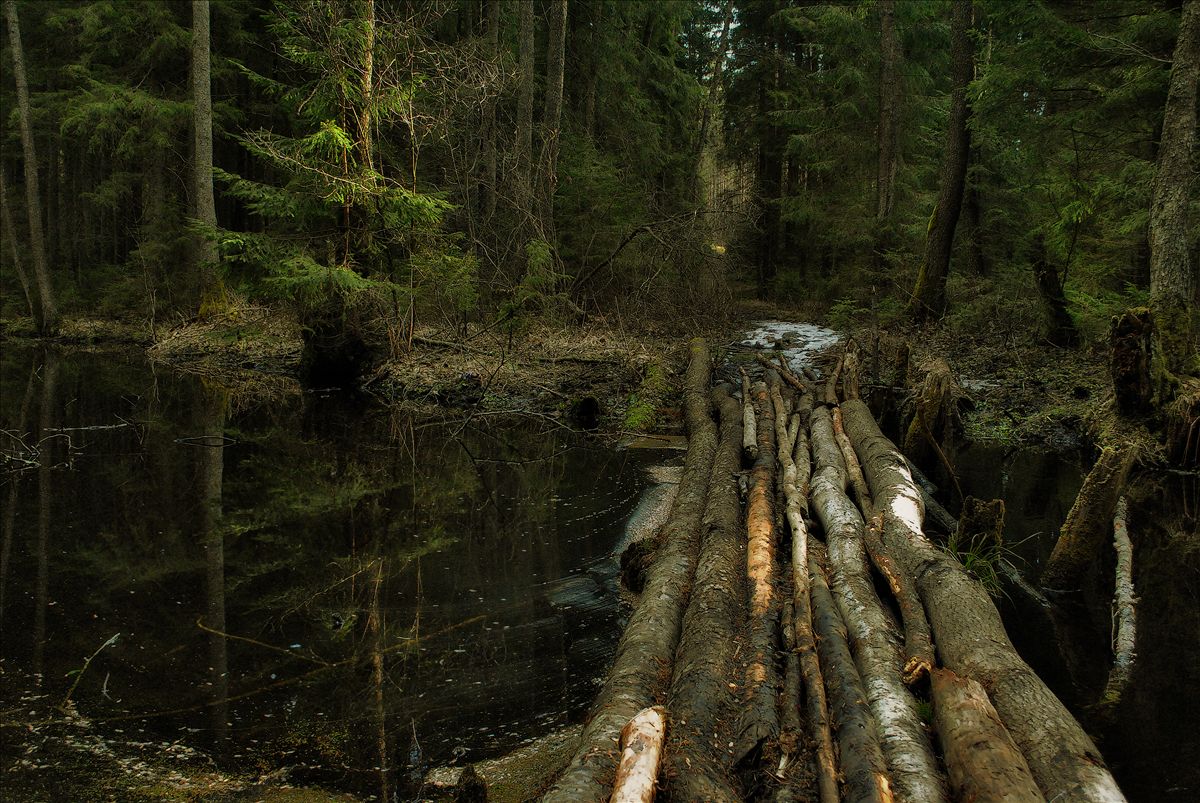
(1124, 612)
(863, 769)
(850, 371)
(970, 635)
(749, 432)
(636, 678)
(935, 420)
(641, 748)
(984, 763)
(830, 393)
(816, 705)
(760, 722)
(700, 701)
(913, 768)
(918, 645)
(1083, 534)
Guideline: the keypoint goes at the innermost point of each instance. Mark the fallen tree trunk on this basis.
(1086, 529)
(700, 702)
(816, 706)
(636, 678)
(749, 431)
(863, 769)
(1125, 644)
(970, 635)
(910, 760)
(760, 722)
(984, 763)
(641, 743)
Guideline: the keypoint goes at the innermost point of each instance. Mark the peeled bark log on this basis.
(760, 722)
(984, 763)
(700, 701)
(641, 742)
(862, 764)
(1086, 528)
(648, 644)
(970, 635)
(1124, 612)
(912, 765)
(749, 431)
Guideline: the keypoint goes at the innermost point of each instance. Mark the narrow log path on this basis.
(804, 640)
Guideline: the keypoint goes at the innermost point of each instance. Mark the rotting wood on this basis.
(816, 704)
(984, 763)
(641, 749)
(913, 768)
(850, 370)
(636, 678)
(701, 703)
(918, 645)
(1124, 612)
(749, 431)
(829, 396)
(935, 420)
(970, 636)
(760, 723)
(1086, 529)
(863, 770)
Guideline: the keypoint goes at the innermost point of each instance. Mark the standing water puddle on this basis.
(303, 582)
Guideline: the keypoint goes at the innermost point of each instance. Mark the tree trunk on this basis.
(204, 202)
(46, 316)
(700, 700)
(714, 87)
(367, 87)
(1060, 326)
(889, 112)
(1124, 612)
(556, 24)
(984, 763)
(1085, 531)
(10, 235)
(913, 768)
(648, 644)
(929, 296)
(490, 134)
(524, 123)
(969, 634)
(1173, 349)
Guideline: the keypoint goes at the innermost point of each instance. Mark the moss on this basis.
(644, 404)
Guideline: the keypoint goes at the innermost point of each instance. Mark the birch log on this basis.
(641, 743)
(1125, 643)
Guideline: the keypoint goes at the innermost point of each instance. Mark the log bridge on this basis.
(798, 636)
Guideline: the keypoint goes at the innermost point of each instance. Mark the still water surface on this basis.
(300, 580)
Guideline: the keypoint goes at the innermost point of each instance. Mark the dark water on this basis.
(302, 581)
(1151, 741)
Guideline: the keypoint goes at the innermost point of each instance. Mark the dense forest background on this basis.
(378, 164)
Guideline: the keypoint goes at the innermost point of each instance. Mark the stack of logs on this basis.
(818, 645)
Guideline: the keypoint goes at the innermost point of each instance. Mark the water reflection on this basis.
(306, 583)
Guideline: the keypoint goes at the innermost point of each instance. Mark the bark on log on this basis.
(1086, 529)
(648, 644)
(984, 763)
(749, 431)
(760, 722)
(830, 392)
(701, 703)
(642, 743)
(935, 420)
(970, 635)
(816, 705)
(863, 769)
(1124, 612)
(914, 769)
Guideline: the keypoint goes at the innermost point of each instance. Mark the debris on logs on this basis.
(969, 634)
(1125, 643)
(700, 702)
(648, 643)
(642, 743)
(863, 770)
(914, 769)
(760, 721)
(1085, 531)
(984, 764)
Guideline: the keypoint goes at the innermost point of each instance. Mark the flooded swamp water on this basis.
(308, 582)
